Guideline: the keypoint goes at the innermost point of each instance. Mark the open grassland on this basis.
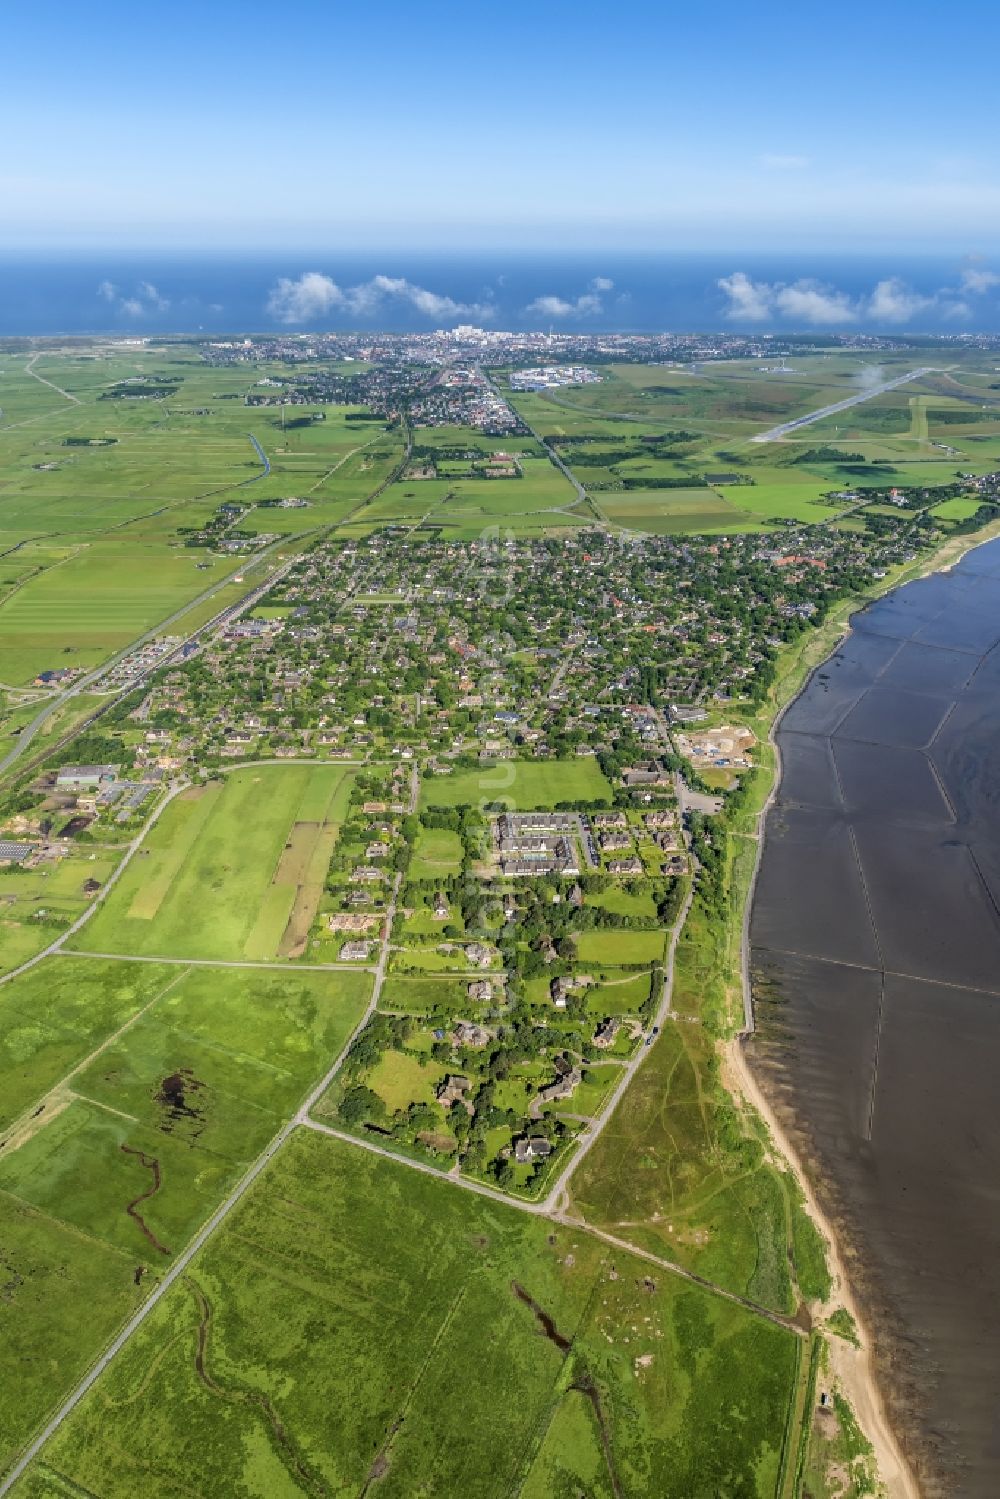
(627, 1383)
(233, 870)
(675, 1172)
(102, 1187)
(97, 492)
(682, 1171)
(56, 1014)
(523, 785)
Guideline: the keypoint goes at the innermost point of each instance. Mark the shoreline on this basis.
(854, 1368)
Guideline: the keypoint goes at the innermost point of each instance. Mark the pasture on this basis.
(523, 785)
(56, 1014)
(670, 1390)
(102, 1187)
(232, 870)
(36, 904)
(96, 492)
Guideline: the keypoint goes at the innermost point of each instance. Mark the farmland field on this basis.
(522, 784)
(97, 492)
(229, 868)
(464, 1285)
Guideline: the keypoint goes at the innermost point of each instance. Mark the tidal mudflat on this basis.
(876, 979)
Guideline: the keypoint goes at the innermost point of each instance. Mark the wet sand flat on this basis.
(875, 937)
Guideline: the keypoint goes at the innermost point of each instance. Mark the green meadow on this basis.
(191, 1072)
(598, 1374)
(436, 854)
(524, 785)
(232, 870)
(97, 492)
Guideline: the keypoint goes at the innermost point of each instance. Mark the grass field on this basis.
(437, 853)
(692, 428)
(56, 1014)
(104, 1186)
(604, 945)
(39, 903)
(94, 493)
(522, 784)
(232, 870)
(660, 1388)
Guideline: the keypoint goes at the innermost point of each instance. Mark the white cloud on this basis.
(749, 301)
(977, 279)
(777, 161)
(893, 301)
(602, 283)
(313, 295)
(144, 301)
(550, 307)
(809, 302)
(813, 304)
(425, 301)
(148, 293)
(586, 305)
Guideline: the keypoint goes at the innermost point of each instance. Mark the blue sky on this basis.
(550, 125)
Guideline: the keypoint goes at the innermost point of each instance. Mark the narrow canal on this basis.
(875, 962)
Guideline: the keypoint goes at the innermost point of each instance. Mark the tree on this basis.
(359, 1104)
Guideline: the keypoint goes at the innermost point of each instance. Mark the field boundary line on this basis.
(541, 1210)
(64, 1082)
(272, 965)
(219, 1216)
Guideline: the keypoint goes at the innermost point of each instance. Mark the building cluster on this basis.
(496, 348)
(455, 654)
(533, 843)
(553, 376)
(461, 396)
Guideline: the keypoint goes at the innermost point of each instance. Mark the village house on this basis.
(452, 1089)
(352, 921)
(467, 1033)
(536, 1148)
(606, 1032)
(564, 1086)
(355, 952)
(479, 955)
